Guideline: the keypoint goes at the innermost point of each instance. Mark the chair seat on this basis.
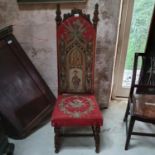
(76, 110)
(144, 106)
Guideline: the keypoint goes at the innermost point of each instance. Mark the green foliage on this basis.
(142, 14)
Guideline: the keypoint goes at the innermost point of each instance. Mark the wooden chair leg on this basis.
(57, 139)
(97, 138)
(10, 149)
(127, 111)
(131, 125)
(93, 129)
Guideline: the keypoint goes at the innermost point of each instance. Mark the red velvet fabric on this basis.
(76, 110)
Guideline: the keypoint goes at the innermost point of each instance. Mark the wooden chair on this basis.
(76, 105)
(141, 102)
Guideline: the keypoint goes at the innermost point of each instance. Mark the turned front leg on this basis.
(97, 138)
(57, 139)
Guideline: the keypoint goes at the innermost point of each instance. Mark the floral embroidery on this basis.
(76, 106)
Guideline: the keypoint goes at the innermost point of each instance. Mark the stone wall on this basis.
(35, 29)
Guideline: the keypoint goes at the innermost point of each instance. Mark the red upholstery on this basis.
(76, 47)
(76, 39)
(76, 110)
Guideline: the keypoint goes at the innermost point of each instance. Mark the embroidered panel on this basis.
(76, 106)
(76, 110)
(76, 53)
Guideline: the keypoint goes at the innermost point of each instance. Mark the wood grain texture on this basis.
(25, 100)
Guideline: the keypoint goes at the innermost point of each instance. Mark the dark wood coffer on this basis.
(26, 102)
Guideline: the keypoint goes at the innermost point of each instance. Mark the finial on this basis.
(58, 15)
(95, 18)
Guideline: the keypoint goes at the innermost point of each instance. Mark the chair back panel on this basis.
(76, 39)
(147, 75)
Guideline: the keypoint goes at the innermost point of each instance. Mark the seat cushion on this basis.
(76, 110)
(144, 106)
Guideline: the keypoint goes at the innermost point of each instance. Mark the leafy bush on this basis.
(141, 18)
